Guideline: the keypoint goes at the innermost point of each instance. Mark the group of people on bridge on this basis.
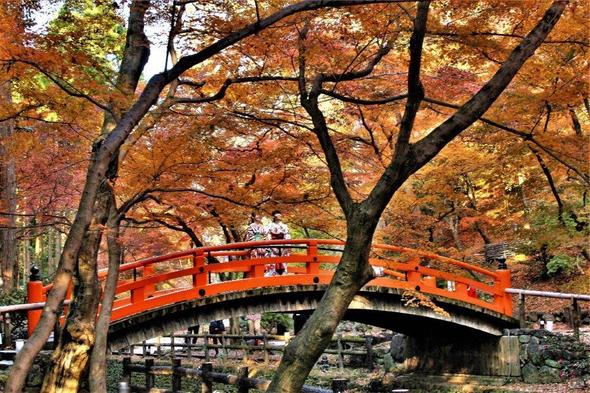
(277, 229)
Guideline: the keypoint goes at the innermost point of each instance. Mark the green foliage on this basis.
(272, 320)
(553, 244)
(90, 27)
(18, 320)
(14, 296)
(560, 264)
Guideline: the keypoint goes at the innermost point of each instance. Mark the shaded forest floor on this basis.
(525, 276)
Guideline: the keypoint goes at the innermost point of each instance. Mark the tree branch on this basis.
(430, 145)
(222, 91)
(361, 101)
(379, 196)
(521, 134)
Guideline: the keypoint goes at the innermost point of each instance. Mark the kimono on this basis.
(254, 233)
(278, 230)
(257, 232)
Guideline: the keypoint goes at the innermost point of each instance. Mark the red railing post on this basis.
(414, 276)
(312, 265)
(256, 271)
(502, 282)
(429, 281)
(461, 289)
(137, 295)
(34, 295)
(200, 278)
(148, 270)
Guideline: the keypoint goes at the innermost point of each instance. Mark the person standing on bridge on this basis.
(277, 230)
(256, 232)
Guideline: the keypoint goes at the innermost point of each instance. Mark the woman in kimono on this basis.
(255, 232)
(278, 230)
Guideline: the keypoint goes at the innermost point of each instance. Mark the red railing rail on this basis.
(186, 275)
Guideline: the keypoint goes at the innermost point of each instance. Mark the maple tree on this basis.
(356, 98)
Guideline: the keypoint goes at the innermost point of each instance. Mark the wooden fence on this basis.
(199, 346)
(573, 310)
(205, 374)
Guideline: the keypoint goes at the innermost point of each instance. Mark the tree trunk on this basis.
(482, 232)
(70, 358)
(97, 375)
(453, 223)
(575, 122)
(352, 274)
(551, 182)
(8, 243)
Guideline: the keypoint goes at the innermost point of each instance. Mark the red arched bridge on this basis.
(227, 275)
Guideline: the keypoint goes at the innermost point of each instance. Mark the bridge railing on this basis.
(192, 274)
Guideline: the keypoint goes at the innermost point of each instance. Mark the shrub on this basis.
(560, 264)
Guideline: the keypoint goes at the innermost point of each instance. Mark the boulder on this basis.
(397, 348)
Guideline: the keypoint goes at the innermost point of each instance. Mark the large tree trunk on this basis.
(97, 375)
(352, 274)
(70, 359)
(8, 244)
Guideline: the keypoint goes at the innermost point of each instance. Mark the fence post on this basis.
(265, 343)
(34, 295)
(245, 346)
(172, 346)
(126, 370)
(158, 346)
(521, 310)
(176, 377)
(6, 331)
(206, 383)
(149, 377)
(576, 318)
(189, 348)
(369, 348)
(339, 385)
(340, 349)
(223, 347)
(243, 380)
(206, 346)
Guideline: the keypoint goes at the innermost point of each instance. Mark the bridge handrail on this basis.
(557, 295)
(218, 251)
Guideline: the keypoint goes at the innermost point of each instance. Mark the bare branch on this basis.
(475, 107)
(521, 134)
(67, 87)
(223, 90)
(361, 101)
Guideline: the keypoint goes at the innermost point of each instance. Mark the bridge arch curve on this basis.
(375, 306)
